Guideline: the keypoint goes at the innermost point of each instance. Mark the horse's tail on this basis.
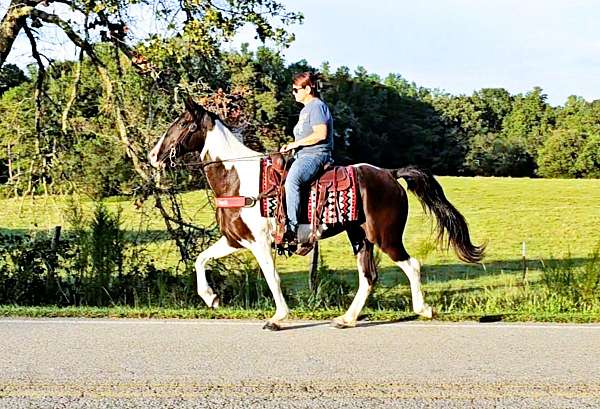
(449, 220)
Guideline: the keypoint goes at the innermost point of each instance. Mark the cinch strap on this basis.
(235, 201)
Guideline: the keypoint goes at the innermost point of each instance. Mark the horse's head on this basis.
(186, 134)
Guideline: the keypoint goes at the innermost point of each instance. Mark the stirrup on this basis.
(290, 237)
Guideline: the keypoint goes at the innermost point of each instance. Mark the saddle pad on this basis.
(344, 201)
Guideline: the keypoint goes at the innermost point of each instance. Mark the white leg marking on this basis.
(262, 253)
(364, 289)
(220, 249)
(412, 269)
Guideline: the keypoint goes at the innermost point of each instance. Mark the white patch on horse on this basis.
(364, 289)
(412, 269)
(358, 165)
(153, 155)
(222, 144)
(219, 249)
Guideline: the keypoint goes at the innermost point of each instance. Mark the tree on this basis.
(461, 123)
(493, 105)
(182, 55)
(203, 25)
(530, 121)
(10, 76)
(493, 154)
(588, 160)
(559, 154)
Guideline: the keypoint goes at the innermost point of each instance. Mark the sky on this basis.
(460, 45)
(453, 45)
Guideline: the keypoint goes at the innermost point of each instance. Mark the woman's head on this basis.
(305, 86)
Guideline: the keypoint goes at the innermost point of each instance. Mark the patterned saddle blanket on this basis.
(331, 199)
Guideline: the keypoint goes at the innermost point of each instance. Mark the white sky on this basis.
(455, 45)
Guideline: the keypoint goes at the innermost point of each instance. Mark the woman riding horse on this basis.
(382, 201)
(313, 142)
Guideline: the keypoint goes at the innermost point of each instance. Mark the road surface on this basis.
(203, 363)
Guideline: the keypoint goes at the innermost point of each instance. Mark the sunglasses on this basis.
(295, 90)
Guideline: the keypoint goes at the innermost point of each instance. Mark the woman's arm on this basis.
(319, 134)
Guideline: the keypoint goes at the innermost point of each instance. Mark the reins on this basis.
(269, 193)
(203, 164)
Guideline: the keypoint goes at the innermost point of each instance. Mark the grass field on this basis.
(557, 219)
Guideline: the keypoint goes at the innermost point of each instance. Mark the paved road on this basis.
(151, 363)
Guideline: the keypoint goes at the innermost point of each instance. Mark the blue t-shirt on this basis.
(316, 112)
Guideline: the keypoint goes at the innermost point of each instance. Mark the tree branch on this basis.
(39, 82)
(108, 87)
(68, 30)
(10, 26)
(65, 113)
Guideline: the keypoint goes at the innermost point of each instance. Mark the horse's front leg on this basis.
(262, 253)
(220, 249)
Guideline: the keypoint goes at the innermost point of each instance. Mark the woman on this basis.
(313, 141)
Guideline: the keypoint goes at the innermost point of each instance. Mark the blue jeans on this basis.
(303, 171)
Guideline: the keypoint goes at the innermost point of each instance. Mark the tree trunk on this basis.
(12, 23)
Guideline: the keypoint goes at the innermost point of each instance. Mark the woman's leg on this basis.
(303, 170)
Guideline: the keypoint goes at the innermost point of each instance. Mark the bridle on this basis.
(192, 128)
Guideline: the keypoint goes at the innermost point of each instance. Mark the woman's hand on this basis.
(288, 147)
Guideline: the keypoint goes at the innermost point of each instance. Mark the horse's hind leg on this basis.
(386, 210)
(412, 269)
(367, 275)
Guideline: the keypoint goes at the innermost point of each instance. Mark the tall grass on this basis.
(95, 267)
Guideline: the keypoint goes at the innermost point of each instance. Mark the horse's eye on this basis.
(193, 127)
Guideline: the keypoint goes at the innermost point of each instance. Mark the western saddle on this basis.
(332, 179)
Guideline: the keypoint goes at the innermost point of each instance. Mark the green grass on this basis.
(296, 314)
(557, 218)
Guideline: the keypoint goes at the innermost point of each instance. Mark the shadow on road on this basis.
(375, 323)
(300, 326)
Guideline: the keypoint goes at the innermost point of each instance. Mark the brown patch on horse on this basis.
(227, 183)
(367, 262)
(385, 206)
(186, 134)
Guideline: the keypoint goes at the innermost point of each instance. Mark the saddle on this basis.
(335, 185)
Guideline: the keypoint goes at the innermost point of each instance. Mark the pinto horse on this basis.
(232, 169)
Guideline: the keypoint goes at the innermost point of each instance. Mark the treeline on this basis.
(71, 141)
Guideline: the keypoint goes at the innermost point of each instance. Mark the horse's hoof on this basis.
(215, 303)
(426, 312)
(338, 324)
(271, 326)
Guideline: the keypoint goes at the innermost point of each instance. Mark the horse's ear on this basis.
(194, 108)
(190, 105)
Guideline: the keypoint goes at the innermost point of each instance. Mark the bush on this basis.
(243, 286)
(494, 155)
(91, 265)
(30, 269)
(577, 287)
(558, 156)
(329, 290)
(588, 161)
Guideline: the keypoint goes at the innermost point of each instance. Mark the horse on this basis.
(232, 169)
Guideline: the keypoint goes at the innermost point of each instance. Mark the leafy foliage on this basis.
(10, 76)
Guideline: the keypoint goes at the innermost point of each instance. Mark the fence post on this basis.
(524, 254)
(55, 238)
